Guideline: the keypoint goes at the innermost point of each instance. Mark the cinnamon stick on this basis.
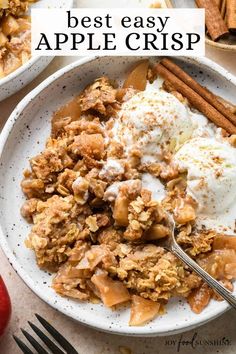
(223, 9)
(167, 86)
(214, 21)
(229, 105)
(202, 91)
(196, 100)
(218, 3)
(231, 15)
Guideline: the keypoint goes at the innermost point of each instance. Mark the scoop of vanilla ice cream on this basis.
(202, 126)
(153, 121)
(211, 174)
(154, 185)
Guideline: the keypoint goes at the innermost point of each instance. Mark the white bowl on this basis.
(33, 67)
(24, 136)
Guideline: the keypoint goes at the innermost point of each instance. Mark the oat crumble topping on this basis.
(97, 228)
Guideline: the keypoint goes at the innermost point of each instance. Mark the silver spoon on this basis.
(171, 245)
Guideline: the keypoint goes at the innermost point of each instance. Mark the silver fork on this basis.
(54, 349)
(171, 245)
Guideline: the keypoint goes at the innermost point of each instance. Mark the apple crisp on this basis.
(98, 194)
(14, 35)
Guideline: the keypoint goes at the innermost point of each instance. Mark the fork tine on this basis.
(57, 336)
(34, 343)
(22, 346)
(53, 347)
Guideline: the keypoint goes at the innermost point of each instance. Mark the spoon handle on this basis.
(214, 284)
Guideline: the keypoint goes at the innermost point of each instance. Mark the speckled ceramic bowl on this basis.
(27, 72)
(24, 136)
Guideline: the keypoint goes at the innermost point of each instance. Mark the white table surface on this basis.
(89, 341)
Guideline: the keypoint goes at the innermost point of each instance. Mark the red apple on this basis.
(5, 307)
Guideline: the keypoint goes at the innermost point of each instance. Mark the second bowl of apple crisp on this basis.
(17, 67)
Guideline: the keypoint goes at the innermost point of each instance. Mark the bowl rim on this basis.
(219, 45)
(20, 70)
(92, 322)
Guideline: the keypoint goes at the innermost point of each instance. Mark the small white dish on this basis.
(24, 136)
(32, 68)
